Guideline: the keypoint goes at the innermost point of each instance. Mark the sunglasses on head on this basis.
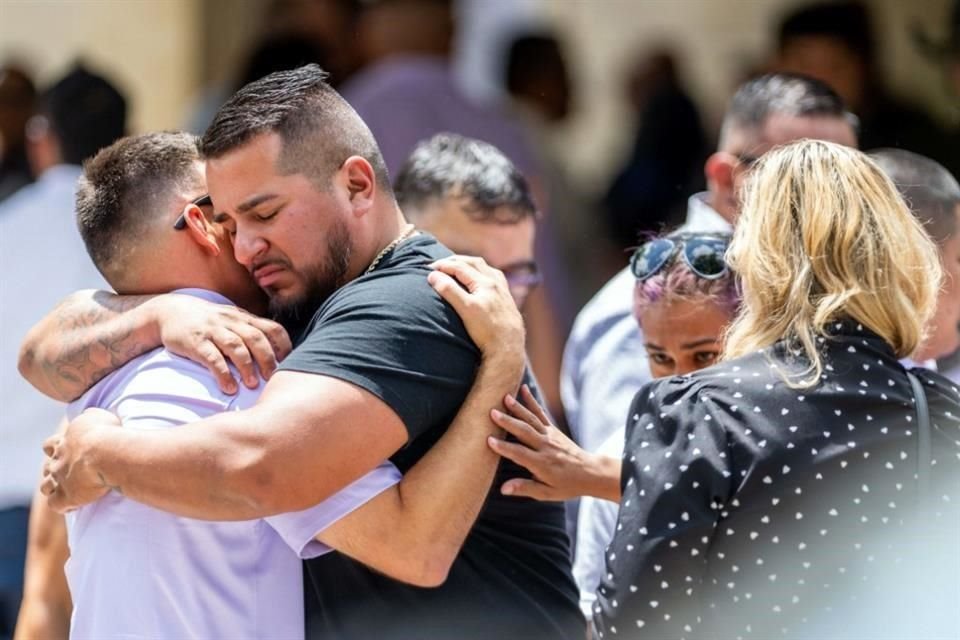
(202, 201)
(703, 254)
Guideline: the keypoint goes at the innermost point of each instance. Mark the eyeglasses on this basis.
(523, 275)
(703, 254)
(202, 201)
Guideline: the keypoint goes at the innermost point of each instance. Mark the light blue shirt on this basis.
(138, 572)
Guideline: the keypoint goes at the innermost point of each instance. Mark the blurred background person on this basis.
(472, 199)
(669, 148)
(292, 33)
(835, 42)
(542, 93)
(77, 116)
(933, 196)
(17, 95)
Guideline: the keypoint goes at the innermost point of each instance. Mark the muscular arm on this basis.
(84, 338)
(92, 333)
(307, 437)
(414, 530)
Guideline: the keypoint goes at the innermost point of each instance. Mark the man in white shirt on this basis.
(605, 363)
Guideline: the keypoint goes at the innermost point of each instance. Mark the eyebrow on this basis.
(252, 203)
(688, 345)
(245, 207)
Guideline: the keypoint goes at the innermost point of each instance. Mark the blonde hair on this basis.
(823, 235)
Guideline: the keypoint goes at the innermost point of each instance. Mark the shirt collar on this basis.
(205, 294)
(702, 217)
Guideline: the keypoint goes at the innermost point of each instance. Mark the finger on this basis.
(260, 348)
(524, 488)
(530, 401)
(521, 412)
(516, 453)
(276, 334)
(212, 359)
(48, 485)
(450, 291)
(465, 272)
(517, 428)
(50, 445)
(233, 348)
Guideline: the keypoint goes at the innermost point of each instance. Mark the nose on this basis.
(247, 247)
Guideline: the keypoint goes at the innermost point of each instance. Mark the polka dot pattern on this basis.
(753, 509)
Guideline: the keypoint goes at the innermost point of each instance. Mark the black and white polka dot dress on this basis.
(752, 509)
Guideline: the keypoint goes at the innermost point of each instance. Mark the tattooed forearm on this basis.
(84, 338)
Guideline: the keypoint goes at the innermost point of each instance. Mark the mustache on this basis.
(266, 262)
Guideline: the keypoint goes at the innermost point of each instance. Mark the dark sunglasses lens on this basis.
(705, 257)
(650, 258)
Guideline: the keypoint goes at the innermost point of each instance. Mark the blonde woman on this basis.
(765, 497)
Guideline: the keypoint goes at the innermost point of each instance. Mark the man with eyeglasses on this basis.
(473, 199)
(604, 363)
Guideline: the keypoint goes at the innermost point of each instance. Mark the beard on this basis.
(321, 281)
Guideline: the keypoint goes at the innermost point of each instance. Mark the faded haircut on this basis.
(317, 127)
(128, 187)
(930, 191)
(452, 166)
(787, 94)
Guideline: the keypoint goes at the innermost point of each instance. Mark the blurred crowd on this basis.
(566, 258)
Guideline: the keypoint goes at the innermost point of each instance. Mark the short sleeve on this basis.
(299, 529)
(392, 335)
(676, 479)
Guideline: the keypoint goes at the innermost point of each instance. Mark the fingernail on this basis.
(507, 489)
(510, 400)
(496, 414)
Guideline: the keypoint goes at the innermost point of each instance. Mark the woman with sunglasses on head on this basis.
(774, 494)
(684, 299)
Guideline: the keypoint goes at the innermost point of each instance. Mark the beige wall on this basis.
(718, 39)
(149, 48)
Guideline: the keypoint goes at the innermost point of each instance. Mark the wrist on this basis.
(151, 317)
(605, 477)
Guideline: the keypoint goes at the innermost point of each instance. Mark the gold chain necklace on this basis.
(407, 232)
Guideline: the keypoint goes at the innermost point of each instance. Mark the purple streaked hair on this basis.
(677, 282)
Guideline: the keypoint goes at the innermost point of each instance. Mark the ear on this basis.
(361, 182)
(719, 171)
(201, 230)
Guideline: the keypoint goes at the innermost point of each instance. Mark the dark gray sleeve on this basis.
(396, 338)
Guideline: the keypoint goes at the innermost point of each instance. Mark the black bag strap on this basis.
(924, 452)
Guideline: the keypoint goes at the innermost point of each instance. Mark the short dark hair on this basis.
(781, 94)
(86, 113)
(846, 22)
(318, 128)
(930, 191)
(449, 165)
(125, 189)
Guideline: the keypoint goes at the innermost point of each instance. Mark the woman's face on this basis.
(682, 336)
